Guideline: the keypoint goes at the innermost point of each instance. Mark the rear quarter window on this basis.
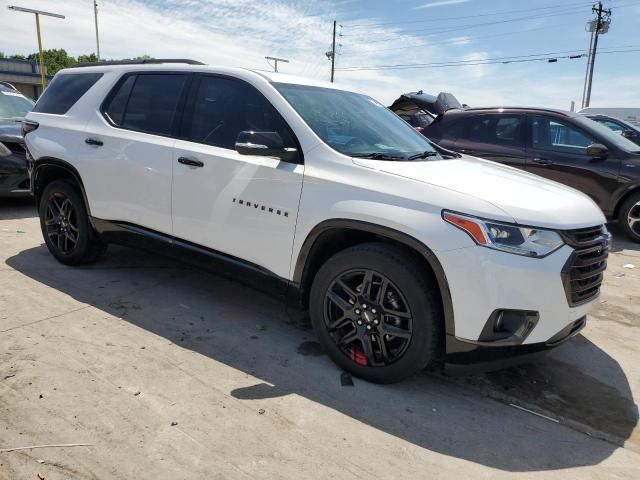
(64, 91)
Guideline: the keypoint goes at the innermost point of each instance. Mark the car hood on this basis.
(412, 103)
(528, 199)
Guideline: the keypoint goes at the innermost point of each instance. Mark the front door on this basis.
(557, 150)
(241, 205)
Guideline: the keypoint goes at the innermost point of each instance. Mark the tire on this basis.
(63, 219)
(630, 210)
(345, 315)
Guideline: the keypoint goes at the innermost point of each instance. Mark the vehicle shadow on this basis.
(620, 239)
(16, 208)
(253, 333)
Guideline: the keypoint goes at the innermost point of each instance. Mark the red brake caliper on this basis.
(357, 355)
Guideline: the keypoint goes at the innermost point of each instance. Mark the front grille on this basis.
(583, 273)
(582, 236)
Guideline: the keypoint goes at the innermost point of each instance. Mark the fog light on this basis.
(509, 326)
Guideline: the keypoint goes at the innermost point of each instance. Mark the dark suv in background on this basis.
(561, 146)
(14, 172)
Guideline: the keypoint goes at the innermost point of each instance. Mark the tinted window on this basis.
(553, 134)
(118, 103)
(153, 101)
(64, 91)
(494, 129)
(224, 107)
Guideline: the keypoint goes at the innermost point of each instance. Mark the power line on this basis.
(452, 28)
(487, 61)
(401, 34)
(455, 40)
(462, 17)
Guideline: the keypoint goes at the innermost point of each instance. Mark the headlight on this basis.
(527, 241)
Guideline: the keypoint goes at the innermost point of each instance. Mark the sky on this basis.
(371, 34)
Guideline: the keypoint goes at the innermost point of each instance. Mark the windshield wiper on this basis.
(378, 156)
(428, 153)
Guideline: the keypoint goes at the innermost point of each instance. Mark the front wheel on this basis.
(629, 217)
(376, 313)
(65, 225)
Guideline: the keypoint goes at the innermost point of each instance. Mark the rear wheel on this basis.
(65, 225)
(629, 217)
(376, 314)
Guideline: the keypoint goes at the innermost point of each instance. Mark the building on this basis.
(22, 74)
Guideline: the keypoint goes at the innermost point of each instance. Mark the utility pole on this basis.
(601, 27)
(37, 13)
(95, 15)
(333, 52)
(276, 60)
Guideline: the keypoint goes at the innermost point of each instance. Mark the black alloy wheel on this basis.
(368, 317)
(377, 312)
(61, 223)
(65, 225)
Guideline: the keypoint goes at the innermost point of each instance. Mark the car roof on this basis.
(243, 73)
(512, 110)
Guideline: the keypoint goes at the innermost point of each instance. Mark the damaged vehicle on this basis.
(14, 171)
(420, 109)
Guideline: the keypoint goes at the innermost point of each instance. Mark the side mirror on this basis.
(264, 144)
(629, 134)
(597, 150)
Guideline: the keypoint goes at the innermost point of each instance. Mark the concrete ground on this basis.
(168, 372)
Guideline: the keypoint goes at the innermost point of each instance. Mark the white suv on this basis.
(403, 253)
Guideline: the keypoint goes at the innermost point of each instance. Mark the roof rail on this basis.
(139, 62)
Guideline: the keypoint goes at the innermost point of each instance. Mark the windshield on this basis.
(609, 135)
(13, 105)
(356, 125)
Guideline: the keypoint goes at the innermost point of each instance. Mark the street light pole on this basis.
(276, 60)
(37, 13)
(95, 14)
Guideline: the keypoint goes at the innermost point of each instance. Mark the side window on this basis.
(455, 129)
(224, 107)
(616, 127)
(147, 102)
(496, 130)
(556, 135)
(64, 91)
(115, 110)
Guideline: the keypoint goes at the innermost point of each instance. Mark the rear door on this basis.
(241, 205)
(128, 150)
(496, 137)
(558, 151)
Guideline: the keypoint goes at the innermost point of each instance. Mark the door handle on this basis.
(542, 161)
(93, 142)
(190, 161)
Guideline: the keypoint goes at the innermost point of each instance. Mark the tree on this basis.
(54, 59)
(90, 58)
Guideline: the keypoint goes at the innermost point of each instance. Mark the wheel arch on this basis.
(332, 236)
(48, 169)
(623, 198)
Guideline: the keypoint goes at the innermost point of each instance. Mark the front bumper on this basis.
(483, 281)
(468, 357)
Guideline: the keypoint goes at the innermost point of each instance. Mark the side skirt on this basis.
(219, 263)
